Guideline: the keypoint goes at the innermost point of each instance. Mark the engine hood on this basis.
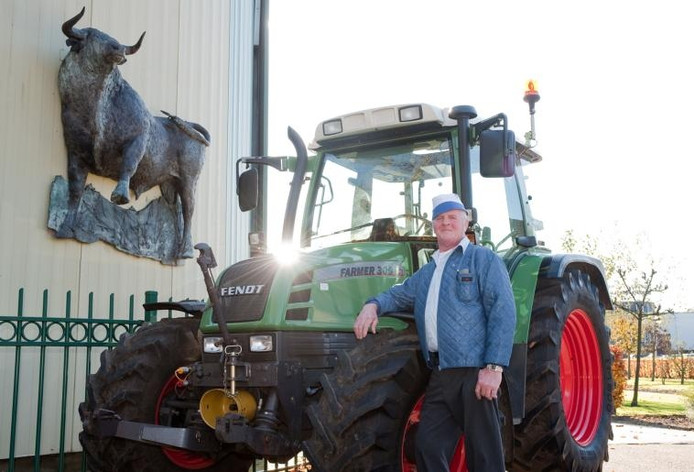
(322, 290)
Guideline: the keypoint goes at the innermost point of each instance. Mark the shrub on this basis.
(619, 377)
(689, 412)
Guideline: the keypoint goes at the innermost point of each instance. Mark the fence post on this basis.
(15, 390)
(151, 296)
(66, 362)
(42, 377)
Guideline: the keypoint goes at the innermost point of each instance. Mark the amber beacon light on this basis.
(531, 97)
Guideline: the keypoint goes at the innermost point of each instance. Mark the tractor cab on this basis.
(374, 174)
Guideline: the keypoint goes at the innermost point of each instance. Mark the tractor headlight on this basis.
(332, 127)
(213, 344)
(261, 343)
(412, 113)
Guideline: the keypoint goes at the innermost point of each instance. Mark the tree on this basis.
(657, 338)
(588, 244)
(623, 327)
(633, 285)
(681, 365)
(637, 289)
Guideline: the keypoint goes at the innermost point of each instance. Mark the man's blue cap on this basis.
(446, 202)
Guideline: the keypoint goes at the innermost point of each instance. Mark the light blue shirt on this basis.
(432, 306)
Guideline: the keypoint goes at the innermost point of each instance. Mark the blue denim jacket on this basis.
(476, 313)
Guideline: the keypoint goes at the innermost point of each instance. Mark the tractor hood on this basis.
(322, 290)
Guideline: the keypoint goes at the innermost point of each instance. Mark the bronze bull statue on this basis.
(109, 132)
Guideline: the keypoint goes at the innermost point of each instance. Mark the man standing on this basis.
(465, 316)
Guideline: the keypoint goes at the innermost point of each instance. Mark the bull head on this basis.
(76, 37)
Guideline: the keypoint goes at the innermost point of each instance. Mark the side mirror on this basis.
(497, 153)
(247, 189)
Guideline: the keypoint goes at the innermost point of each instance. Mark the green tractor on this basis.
(270, 365)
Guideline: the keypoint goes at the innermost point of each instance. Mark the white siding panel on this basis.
(240, 120)
(195, 62)
(202, 97)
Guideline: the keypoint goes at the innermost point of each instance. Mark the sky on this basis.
(616, 85)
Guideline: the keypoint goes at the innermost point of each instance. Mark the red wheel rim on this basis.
(580, 367)
(180, 457)
(458, 463)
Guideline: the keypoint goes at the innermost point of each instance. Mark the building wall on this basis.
(681, 329)
(195, 62)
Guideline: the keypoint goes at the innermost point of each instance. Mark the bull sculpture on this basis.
(109, 132)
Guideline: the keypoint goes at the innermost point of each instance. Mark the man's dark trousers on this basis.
(450, 409)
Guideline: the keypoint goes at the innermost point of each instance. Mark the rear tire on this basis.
(132, 379)
(568, 409)
(359, 421)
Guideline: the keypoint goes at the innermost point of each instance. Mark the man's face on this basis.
(450, 228)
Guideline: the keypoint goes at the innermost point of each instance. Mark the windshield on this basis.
(497, 202)
(385, 194)
(380, 193)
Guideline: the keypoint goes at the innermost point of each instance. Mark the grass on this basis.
(658, 399)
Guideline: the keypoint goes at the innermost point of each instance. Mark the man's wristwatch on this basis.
(494, 367)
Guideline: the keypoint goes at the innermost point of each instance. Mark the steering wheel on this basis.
(425, 223)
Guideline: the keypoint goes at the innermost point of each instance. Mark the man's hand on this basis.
(367, 319)
(488, 382)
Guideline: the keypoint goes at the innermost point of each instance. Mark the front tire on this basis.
(134, 381)
(359, 421)
(568, 410)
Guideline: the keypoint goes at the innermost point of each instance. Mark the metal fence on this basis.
(32, 346)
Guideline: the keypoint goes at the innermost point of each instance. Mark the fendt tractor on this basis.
(269, 366)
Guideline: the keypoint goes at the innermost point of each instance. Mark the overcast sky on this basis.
(613, 123)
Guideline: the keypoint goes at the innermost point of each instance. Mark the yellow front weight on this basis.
(216, 403)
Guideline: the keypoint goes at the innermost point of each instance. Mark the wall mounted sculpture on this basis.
(109, 132)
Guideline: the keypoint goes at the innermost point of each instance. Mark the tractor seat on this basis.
(383, 229)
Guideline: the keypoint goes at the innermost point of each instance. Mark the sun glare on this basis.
(286, 254)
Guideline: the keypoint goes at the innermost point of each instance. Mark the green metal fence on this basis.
(49, 337)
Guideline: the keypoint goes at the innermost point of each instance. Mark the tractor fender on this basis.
(525, 271)
(555, 265)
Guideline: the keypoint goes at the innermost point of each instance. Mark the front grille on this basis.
(300, 295)
(244, 289)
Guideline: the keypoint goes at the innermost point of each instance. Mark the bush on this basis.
(619, 377)
(689, 412)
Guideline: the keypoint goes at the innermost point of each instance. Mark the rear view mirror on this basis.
(248, 189)
(497, 153)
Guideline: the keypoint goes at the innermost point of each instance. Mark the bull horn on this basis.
(133, 49)
(68, 27)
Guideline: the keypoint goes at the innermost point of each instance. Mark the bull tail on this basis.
(193, 130)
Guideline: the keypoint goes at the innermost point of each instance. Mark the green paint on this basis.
(524, 282)
(344, 277)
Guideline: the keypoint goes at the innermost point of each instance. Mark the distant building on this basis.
(647, 308)
(681, 329)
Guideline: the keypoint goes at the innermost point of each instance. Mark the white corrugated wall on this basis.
(240, 119)
(195, 62)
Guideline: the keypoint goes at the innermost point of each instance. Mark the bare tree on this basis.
(634, 287)
(657, 338)
(681, 364)
(635, 295)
